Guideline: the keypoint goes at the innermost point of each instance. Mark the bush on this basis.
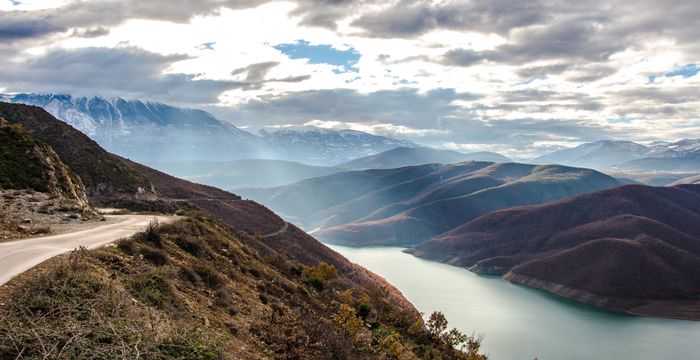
(128, 246)
(193, 246)
(152, 234)
(153, 288)
(317, 276)
(210, 276)
(157, 257)
(188, 274)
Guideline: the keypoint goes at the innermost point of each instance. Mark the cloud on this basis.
(405, 107)
(256, 75)
(409, 18)
(124, 71)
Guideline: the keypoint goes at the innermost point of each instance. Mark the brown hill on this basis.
(412, 204)
(622, 248)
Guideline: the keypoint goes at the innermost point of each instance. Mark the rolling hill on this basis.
(412, 204)
(410, 156)
(632, 248)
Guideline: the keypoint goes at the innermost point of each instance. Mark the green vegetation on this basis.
(205, 295)
(100, 171)
(21, 165)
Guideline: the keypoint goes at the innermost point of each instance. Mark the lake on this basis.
(522, 323)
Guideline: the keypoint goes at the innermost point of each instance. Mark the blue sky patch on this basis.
(321, 54)
(622, 120)
(685, 71)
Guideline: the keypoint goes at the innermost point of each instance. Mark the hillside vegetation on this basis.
(193, 290)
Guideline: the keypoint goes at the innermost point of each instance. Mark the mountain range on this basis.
(150, 131)
(632, 248)
(630, 157)
(409, 205)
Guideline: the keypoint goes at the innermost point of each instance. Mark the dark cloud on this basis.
(400, 107)
(410, 18)
(17, 25)
(91, 32)
(126, 71)
(256, 75)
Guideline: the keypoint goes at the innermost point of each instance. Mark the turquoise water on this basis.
(522, 323)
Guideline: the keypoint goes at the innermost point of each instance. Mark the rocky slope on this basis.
(632, 248)
(36, 188)
(412, 204)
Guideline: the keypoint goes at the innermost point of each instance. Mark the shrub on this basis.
(224, 299)
(193, 246)
(128, 246)
(210, 276)
(157, 257)
(317, 276)
(153, 288)
(152, 234)
(188, 274)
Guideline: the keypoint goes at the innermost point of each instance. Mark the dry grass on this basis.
(162, 300)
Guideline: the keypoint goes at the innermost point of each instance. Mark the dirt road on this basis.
(19, 256)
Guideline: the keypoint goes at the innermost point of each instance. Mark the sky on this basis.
(517, 77)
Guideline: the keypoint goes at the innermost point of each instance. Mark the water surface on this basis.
(523, 323)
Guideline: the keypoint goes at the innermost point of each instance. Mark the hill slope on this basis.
(630, 248)
(410, 156)
(192, 278)
(411, 204)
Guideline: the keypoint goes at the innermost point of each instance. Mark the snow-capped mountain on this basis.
(326, 146)
(152, 132)
(628, 155)
(599, 154)
(147, 131)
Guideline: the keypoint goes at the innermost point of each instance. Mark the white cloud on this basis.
(555, 73)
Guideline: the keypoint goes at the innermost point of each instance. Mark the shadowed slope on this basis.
(619, 248)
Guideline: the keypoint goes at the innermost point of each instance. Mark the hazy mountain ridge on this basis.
(231, 175)
(411, 156)
(151, 131)
(412, 204)
(629, 156)
(319, 146)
